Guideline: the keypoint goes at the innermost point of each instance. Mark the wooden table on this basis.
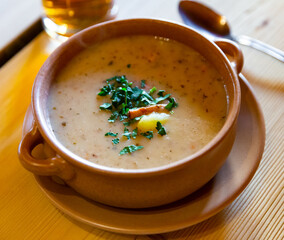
(15, 17)
(26, 213)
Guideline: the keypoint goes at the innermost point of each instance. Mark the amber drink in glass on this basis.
(63, 18)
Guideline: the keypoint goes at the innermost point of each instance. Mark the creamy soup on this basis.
(79, 123)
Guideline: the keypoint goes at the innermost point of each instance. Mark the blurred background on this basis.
(259, 19)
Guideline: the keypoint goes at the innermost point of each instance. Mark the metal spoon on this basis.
(213, 25)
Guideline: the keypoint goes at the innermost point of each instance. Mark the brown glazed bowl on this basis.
(132, 188)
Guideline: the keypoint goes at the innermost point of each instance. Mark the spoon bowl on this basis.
(204, 19)
(214, 25)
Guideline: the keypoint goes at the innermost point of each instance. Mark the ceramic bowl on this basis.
(132, 188)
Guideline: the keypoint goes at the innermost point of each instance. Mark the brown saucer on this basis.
(230, 181)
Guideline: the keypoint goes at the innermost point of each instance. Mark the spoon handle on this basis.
(261, 46)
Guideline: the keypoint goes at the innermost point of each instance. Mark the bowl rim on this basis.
(76, 160)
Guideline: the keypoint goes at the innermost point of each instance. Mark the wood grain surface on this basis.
(26, 213)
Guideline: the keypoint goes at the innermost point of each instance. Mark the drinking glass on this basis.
(63, 18)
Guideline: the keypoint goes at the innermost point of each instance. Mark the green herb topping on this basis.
(134, 133)
(154, 89)
(143, 83)
(160, 99)
(172, 104)
(115, 141)
(111, 134)
(161, 93)
(123, 97)
(148, 134)
(127, 133)
(132, 121)
(106, 106)
(161, 129)
(130, 149)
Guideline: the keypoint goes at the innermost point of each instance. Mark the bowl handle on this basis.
(233, 53)
(48, 167)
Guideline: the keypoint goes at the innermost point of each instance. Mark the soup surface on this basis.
(79, 123)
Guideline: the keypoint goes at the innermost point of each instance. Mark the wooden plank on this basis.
(12, 48)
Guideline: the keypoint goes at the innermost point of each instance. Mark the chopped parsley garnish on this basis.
(134, 133)
(172, 104)
(111, 134)
(105, 90)
(132, 121)
(113, 116)
(161, 93)
(123, 97)
(130, 134)
(143, 83)
(106, 106)
(161, 129)
(126, 133)
(159, 99)
(115, 141)
(148, 134)
(127, 123)
(130, 149)
(128, 65)
(154, 89)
